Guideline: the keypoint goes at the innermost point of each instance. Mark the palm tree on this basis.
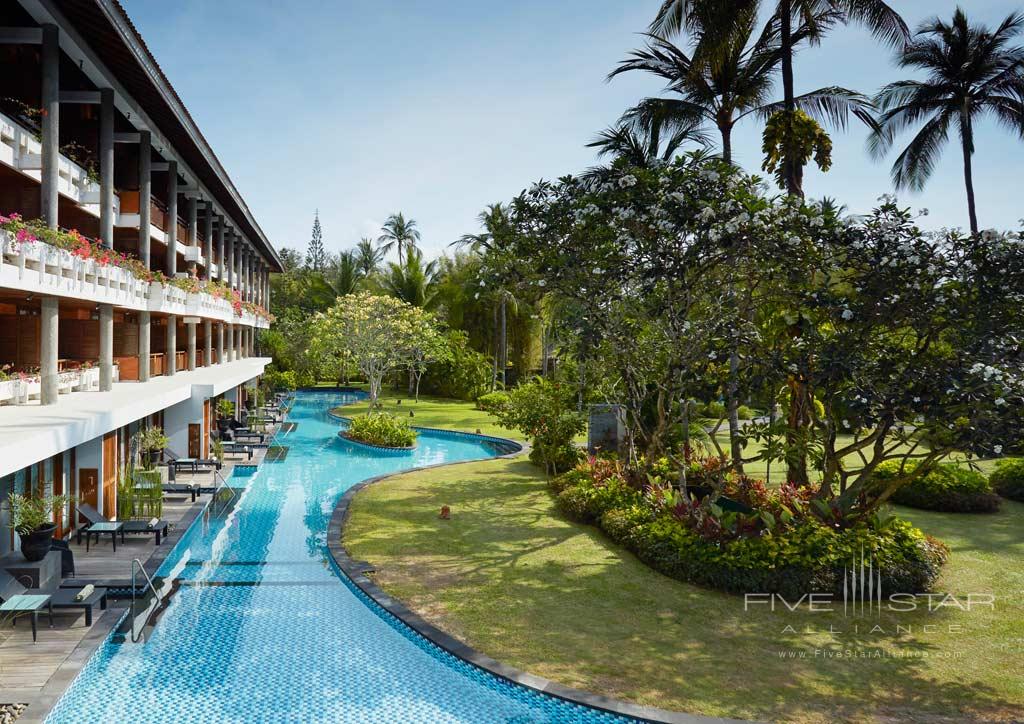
(640, 144)
(971, 71)
(398, 233)
(412, 281)
(814, 19)
(368, 257)
(495, 221)
(344, 274)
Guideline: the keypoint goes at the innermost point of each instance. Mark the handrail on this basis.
(136, 563)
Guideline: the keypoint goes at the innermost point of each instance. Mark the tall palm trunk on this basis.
(504, 344)
(791, 169)
(967, 143)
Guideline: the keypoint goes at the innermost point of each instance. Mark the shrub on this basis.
(948, 487)
(493, 402)
(545, 412)
(1008, 478)
(792, 556)
(381, 429)
(586, 503)
(277, 380)
(745, 413)
(464, 375)
(713, 410)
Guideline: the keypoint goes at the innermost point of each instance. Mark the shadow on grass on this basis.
(558, 599)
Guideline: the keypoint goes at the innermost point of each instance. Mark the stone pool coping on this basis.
(356, 572)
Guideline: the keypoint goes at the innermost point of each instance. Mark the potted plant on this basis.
(152, 441)
(31, 518)
(225, 411)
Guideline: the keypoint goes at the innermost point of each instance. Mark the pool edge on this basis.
(356, 571)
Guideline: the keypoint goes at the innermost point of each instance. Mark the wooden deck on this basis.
(37, 673)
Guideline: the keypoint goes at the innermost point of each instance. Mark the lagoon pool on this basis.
(263, 627)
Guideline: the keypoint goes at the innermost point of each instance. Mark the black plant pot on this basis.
(35, 545)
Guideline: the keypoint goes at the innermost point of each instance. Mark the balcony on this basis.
(20, 150)
(40, 268)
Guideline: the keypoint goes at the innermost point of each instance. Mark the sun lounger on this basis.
(98, 524)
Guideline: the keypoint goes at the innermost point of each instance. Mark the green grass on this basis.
(435, 412)
(511, 577)
(777, 472)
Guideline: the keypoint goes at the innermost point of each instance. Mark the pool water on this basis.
(263, 627)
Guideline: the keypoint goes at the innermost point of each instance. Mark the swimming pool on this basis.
(264, 628)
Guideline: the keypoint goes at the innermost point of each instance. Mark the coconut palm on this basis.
(398, 233)
(368, 257)
(641, 143)
(796, 21)
(412, 281)
(344, 274)
(495, 222)
(971, 72)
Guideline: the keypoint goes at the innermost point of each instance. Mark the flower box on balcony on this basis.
(7, 390)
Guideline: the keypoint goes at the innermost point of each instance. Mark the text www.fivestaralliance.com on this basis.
(851, 654)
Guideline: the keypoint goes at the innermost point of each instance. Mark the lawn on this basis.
(435, 412)
(511, 577)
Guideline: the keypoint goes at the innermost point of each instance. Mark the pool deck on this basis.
(37, 673)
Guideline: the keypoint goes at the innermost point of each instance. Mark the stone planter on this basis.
(35, 545)
(7, 391)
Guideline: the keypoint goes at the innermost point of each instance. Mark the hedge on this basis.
(949, 488)
(1008, 478)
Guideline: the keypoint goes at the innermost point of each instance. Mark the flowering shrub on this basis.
(381, 429)
(777, 546)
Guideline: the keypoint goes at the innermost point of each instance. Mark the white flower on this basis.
(542, 283)
(998, 449)
(627, 181)
(1000, 402)
(847, 315)
(846, 424)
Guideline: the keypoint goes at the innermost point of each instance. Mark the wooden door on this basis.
(110, 475)
(88, 488)
(195, 436)
(207, 428)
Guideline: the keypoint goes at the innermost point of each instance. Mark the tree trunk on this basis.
(799, 418)
(790, 167)
(966, 143)
(732, 391)
(726, 131)
(412, 382)
(497, 353)
(504, 345)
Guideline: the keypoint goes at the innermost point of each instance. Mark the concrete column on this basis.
(207, 343)
(230, 264)
(106, 347)
(172, 344)
(171, 261)
(220, 248)
(191, 327)
(239, 255)
(144, 337)
(107, 167)
(145, 198)
(48, 321)
(193, 228)
(208, 237)
(50, 128)
(220, 343)
(231, 343)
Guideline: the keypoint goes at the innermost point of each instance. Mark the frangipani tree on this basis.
(377, 334)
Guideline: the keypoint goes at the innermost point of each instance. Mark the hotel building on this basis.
(136, 297)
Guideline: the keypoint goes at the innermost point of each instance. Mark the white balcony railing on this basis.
(21, 151)
(40, 268)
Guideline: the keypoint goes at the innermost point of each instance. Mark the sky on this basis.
(436, 108)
